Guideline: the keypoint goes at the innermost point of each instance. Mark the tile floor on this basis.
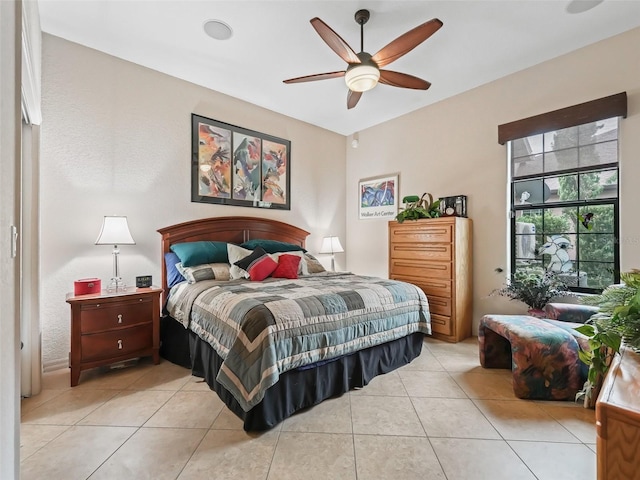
(441, 417)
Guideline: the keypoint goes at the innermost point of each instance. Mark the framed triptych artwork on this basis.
(231, 165)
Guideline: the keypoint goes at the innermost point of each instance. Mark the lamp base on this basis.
(116, 285)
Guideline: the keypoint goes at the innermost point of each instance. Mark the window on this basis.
(564, 200)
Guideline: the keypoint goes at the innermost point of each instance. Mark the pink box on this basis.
(85, 286)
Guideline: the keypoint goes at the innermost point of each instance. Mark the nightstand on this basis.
(111, 327)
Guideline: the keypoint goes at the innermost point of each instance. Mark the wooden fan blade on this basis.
(407, 42)
(352, 99)
(317, 76)
(397, 79)
(335, 41)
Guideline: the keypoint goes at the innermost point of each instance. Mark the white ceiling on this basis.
(273, 40)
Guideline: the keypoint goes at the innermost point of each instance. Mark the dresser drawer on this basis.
(100, 316)
(111, 344)
(432, 286)
(420, 232)
(418, 268)
(441, 324)
(421, 251)
(439, 305)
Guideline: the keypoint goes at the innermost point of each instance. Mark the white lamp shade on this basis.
(331, 245)
(362, 78)
(115, 231)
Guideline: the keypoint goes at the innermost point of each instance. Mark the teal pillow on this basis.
(198, 253)
(272, 246)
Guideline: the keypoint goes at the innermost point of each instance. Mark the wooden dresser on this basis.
(436, 254)
(618, 420)
(111, 327)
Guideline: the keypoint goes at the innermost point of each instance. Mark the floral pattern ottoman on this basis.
(568, 312)
(542, 355)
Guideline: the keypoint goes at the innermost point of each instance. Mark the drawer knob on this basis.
(119, 344)
(98, 305)
(120, 318)
(140, 300)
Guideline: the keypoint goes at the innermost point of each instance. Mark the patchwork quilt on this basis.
(261, 329)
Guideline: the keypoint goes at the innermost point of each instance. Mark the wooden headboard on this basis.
(227, 229)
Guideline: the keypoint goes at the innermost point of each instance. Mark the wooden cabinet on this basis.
(618, 420)
(111, 327)
(435, 254)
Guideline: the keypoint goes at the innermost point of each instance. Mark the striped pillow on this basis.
(259, 264)
(313, 265)
(207, 271)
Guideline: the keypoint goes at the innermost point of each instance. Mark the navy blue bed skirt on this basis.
(296, 389)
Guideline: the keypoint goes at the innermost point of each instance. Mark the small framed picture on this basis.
(455, 206)
(378, 197)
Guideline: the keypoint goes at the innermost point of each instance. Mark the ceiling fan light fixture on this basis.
(361, 78)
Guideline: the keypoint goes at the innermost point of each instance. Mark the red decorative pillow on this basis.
(287, 266)
(259, 265)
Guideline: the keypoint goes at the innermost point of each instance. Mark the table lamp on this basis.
(115, 231)
(331, 245)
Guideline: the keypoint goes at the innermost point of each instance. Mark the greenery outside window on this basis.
(564, 204)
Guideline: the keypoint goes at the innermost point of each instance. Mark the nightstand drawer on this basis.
(117, 342)
(100, 316)
(441, 324)
(421, 251)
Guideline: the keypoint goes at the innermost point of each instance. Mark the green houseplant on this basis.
(535, 287)
(419, 207)
(617, 321)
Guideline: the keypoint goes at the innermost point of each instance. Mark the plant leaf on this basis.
(586, 329)
(585, 357)
(612, 340)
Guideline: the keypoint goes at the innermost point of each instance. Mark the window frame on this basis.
(596, 110)
(568, 204)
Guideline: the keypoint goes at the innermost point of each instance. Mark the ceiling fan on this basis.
(364, 70)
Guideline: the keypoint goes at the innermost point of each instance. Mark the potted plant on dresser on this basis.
(419, 207)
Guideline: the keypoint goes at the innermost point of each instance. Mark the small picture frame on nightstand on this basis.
(144, 281)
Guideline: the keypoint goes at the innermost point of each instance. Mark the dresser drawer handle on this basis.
(120, 318)
(119, 344)
(140, 300)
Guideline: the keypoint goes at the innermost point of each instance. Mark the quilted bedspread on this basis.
(261, 329)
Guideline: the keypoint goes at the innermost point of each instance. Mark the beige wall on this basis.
(116, 140)
(451, 148)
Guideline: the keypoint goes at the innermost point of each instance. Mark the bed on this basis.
(300, 342)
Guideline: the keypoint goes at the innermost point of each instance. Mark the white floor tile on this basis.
(440, 417)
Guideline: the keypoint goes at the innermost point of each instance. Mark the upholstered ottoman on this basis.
(542, 355)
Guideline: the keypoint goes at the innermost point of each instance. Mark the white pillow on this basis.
(302, 267)
(235, 254)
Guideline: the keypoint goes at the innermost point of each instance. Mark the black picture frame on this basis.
(232, 165)
(457, 204)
